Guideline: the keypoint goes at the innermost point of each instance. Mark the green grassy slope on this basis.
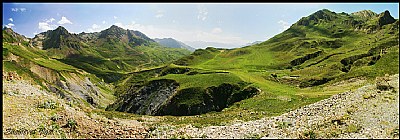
(317, 51)
(108, 54)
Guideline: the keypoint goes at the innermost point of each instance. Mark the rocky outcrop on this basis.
(365, 14)
(12, 37)
(45, 73)
(372, 56)
(10, 76)
(188, 101)
(385, 18)
(319, 16)
(83, 88)
(22, 118)
(162, 97)
(314, 82)
(176, 70)
(303, 59)
(59, 38)
(375, 22)
(383, 83)
(196, 100)
(148, 99)
(67, 85)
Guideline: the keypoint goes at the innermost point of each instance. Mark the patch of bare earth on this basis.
(29, 112)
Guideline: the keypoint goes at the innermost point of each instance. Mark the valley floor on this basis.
(364, 113)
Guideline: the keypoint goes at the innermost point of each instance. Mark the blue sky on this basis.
(231, 23)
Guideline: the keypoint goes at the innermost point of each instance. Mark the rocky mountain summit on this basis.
(365, 14)
(365, 19)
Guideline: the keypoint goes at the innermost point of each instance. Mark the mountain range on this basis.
(172, 43)
(205, 44)
(252, 43)
(118, 70)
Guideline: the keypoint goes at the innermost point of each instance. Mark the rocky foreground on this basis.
(371, 111)
(29, 112)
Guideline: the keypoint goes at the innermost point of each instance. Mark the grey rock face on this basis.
(149, 98)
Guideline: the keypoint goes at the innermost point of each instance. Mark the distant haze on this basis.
(204, 44)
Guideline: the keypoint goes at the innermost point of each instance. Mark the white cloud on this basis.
(64, 20)
(104, 22)
(227, 39)
(202, 15)
(183, 35)
(115, 17)
(44, 26)
(216, 30)
(50, 20)
(95, 28)
(132, 26)
(9, 25)
(159, 14)
(119, 24)
(18, 9)
(285, 25)
(11, 19)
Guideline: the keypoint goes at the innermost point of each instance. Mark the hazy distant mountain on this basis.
(172, 43)
(253, 43)
(204, 44)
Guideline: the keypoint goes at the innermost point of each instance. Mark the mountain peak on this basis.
(9, 33)
(172, 43)
(115, 27)
(364, 14)
(60, 30)
(385, 18)
(321, 14)
(314, 18)
(9, 30)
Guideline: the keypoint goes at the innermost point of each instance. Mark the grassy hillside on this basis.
(75, 68)
(108, 54)
(298, 66)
